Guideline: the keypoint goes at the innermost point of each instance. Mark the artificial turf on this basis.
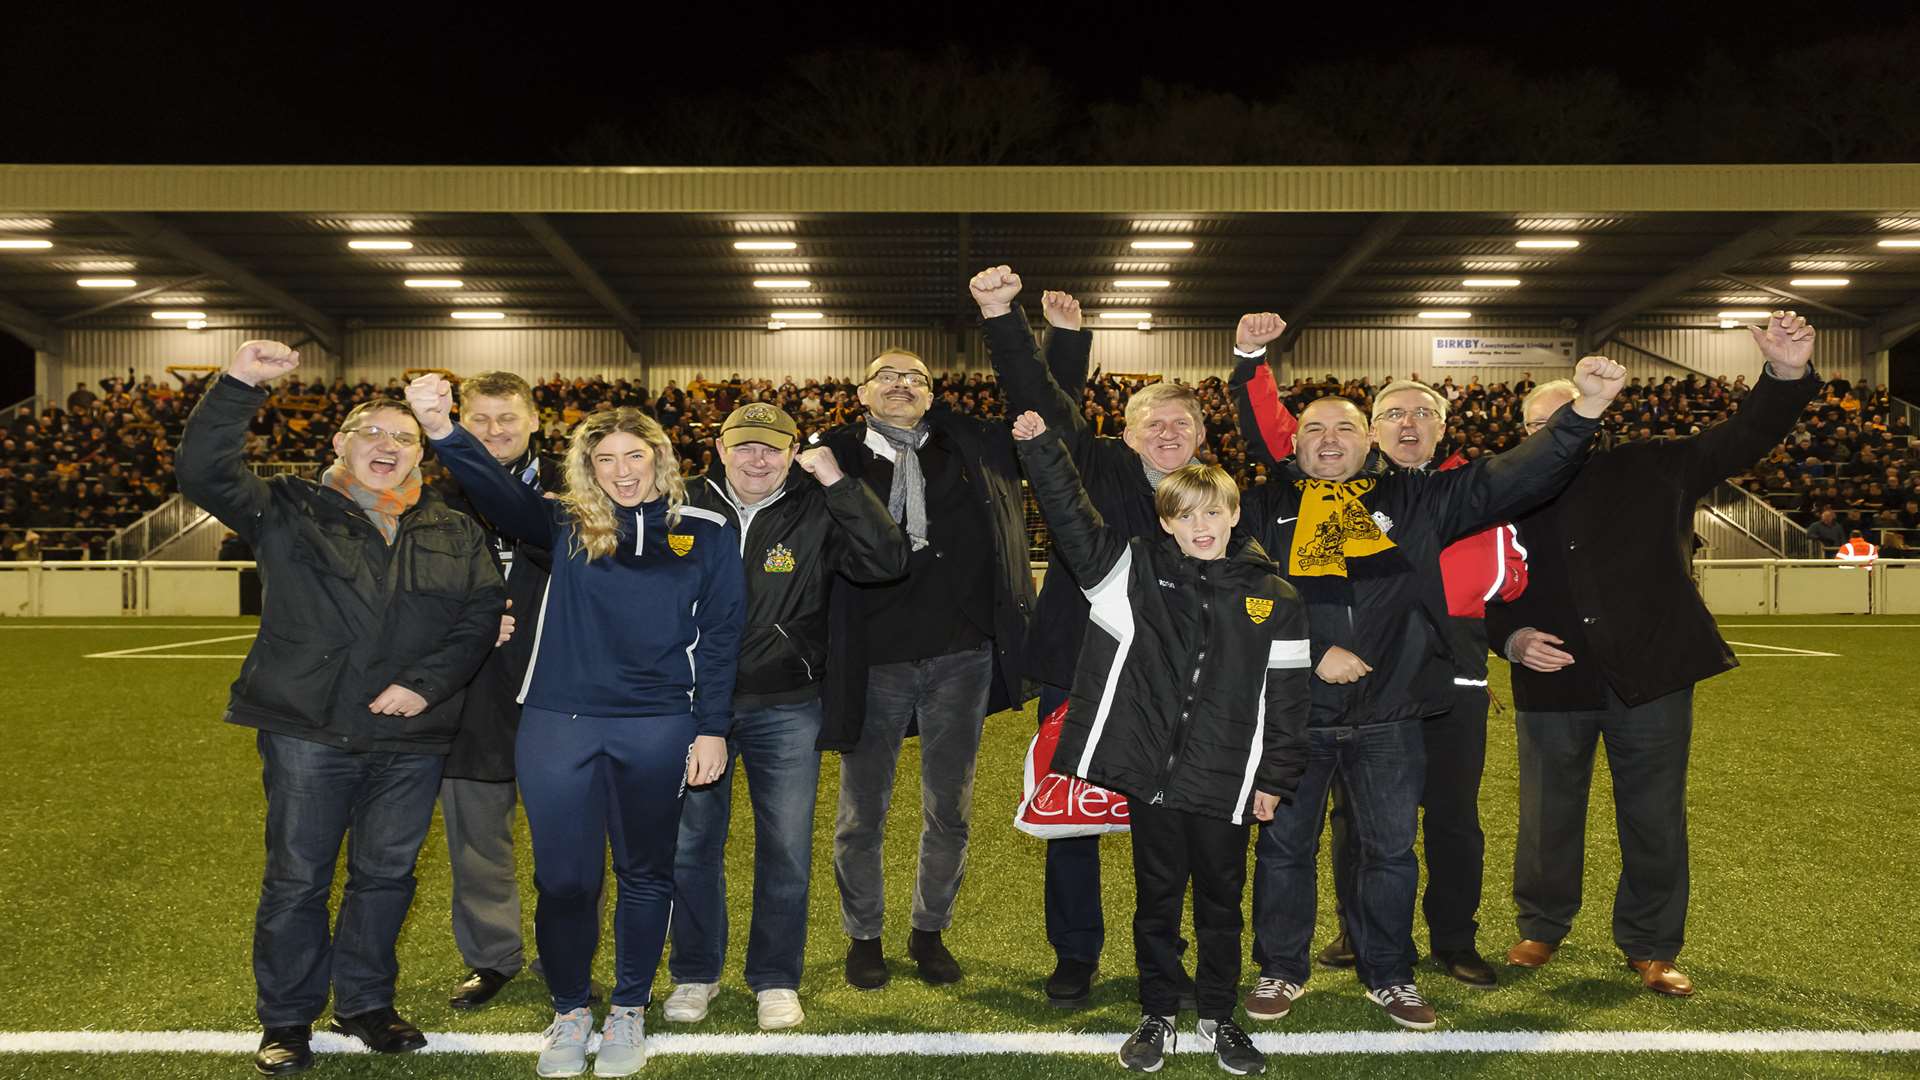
(130, 856)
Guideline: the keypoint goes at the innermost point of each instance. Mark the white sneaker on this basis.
(688, 1004)
(780, 1009)
(563, 1051)
(623, 1042)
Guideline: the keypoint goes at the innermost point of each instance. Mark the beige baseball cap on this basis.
(759, 422)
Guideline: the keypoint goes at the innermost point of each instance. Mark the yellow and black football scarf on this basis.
(1334, 529)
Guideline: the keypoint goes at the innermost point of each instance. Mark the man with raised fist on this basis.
(805, 529)
(381, 605)
(1607, 643)
(1165, 425)
(1361, 541)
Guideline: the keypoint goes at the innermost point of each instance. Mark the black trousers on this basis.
(1453, 845)
(1647, 747)
(1170, 849)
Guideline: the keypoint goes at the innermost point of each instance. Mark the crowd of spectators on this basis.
(71, 476)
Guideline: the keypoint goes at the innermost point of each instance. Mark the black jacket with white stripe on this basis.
(1191, 690)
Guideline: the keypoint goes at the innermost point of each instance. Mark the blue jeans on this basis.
(1383, 767)
(318, 796)
(585, 781)
(1076, 925)
(776, 747)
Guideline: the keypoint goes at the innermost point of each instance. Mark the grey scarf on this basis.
(1154, 476)
(907, 499)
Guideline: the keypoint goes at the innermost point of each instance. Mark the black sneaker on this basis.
(1467, 966)
(937, 965)
(478, 988)
(1147, 1048)
(1071, 984)
(1338, 953)
(866, 964)
(284, 1050)
(1232, 1047)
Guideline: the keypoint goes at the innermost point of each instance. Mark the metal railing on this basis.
(156, 527)
(1724, 539)
(1754, 516)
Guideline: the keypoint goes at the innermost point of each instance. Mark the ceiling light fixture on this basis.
(1143, 326)
(1562, 244)
(1446, 315)
(479, 314)
(1491, 282)
(764, 245)
(380, 245)
(179, 315)
(1136, 315)
(106, 283)
(435, 283)
(782, 283)
(791, 316)
(196, 324)
(1912, 242)
(1820, 282)
(25, 245)
(1745, 315)
(1162, 245)
(1142, 283)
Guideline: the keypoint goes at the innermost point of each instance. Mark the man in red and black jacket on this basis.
(1408, 420)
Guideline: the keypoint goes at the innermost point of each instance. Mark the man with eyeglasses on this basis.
(381, 603)
(1606, 646)
(1409, 418)
(933, 653)
(1361, 541)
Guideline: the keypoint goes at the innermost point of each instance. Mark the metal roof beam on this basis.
(1896, 326)
(1378, 234)
(1803, 301)
(179, 245)
(38, 334)
(1715, 263)
(588, 278)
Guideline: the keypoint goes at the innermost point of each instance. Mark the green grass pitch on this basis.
(130, 857)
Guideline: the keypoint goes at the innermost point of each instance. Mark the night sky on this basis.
(470, 83)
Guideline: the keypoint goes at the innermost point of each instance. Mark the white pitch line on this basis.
(1777, 650)
(130, 625)
(976, 1043)
(147, 652)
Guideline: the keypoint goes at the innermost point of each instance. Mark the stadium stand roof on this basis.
(661, 247)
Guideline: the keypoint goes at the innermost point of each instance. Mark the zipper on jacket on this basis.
(1181, 729)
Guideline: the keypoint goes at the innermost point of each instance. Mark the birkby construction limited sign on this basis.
(1457, 350)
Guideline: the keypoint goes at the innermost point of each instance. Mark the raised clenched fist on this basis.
(994, 289)
(1061, 309)
(1258, 329)
(820, 463)
(431, 398)
(258, 362)
(1599, 379)
(1028, 425)
(1787, 343)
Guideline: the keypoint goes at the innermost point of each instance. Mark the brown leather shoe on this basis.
(1661, 977)
(1528, 953)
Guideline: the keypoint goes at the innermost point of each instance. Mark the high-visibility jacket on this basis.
(1857, 551)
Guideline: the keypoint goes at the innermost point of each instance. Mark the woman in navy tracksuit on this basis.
(627, 698)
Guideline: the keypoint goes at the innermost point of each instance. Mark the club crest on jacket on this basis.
(779, 560)
(679, 543)
(1258, 609)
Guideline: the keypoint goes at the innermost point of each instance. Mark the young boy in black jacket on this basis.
(1190, 698)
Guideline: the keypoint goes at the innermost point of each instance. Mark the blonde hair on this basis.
(594, 530)
(1148, 398)
(1195, 487)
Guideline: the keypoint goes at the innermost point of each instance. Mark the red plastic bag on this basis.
(1054, 806)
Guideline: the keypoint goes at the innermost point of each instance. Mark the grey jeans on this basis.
(486, 894)
(947, 697)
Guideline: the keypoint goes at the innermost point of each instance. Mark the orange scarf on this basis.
(383, 508)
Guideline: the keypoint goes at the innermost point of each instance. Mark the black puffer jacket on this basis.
(346, 614)
(792, 549)
(490, 716)
(1191, 689)
(1395, 617)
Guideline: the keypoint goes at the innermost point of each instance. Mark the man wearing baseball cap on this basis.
(800, 529)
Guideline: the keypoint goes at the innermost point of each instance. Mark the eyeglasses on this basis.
(888, 377)
(1394, 416)
(402, 438)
